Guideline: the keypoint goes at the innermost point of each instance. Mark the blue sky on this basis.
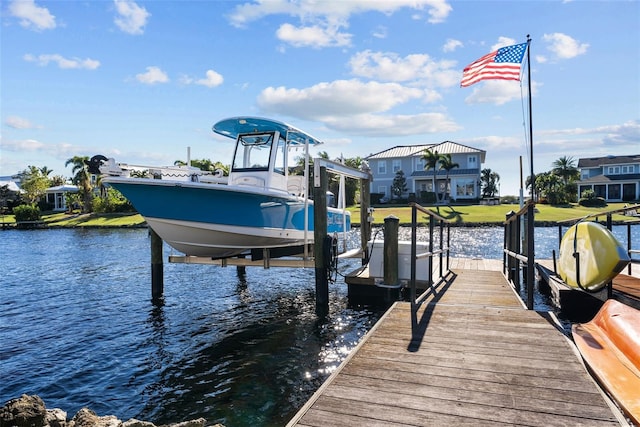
(143, 80)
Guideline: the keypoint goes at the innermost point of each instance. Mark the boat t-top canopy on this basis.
(235, 126)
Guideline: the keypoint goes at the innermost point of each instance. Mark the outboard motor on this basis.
(93, 164)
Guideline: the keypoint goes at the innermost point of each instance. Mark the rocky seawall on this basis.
(30, 411)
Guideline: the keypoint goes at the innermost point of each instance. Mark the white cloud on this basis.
(20, 123)
(380, 32)
(564, 46)
(378, 125)
(391, 67)
(340, 97)
(496, 92)
(451, 45)
(28, 145)
(152, 76)
(355, 107)
(31, 16)
(131, 18)
(64, 63)
(502, 42)
(212, 79)
(321, 22)
(313, 36)
(626, 134)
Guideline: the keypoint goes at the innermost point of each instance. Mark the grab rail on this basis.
(442, 251)
(517, 252)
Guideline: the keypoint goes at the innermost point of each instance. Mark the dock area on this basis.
(471, 355)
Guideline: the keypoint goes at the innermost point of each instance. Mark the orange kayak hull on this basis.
(610, 345)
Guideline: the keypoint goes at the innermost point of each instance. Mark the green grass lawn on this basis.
(60, 219)
(470, 214)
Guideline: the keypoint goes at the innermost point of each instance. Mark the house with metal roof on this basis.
(464, 180)
(56, 196)
(614, 178)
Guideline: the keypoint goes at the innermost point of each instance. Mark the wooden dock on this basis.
(475, 356)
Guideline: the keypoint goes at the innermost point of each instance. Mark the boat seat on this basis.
(610, 344)
(295, 185)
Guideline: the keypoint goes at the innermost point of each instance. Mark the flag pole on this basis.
(533, 178)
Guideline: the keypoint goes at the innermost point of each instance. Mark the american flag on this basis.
(502, 64)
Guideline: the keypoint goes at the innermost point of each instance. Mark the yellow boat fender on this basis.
(590, 256)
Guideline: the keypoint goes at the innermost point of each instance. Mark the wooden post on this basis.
(157, 268)
(365, 225)
(319, 242)
(530, 255)
(390, 266)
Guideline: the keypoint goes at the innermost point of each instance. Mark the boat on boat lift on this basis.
(259, 205)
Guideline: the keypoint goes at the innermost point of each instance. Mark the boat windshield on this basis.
(254, 151)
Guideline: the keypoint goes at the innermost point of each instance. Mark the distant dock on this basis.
(471, 355)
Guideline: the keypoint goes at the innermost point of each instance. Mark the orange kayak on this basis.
(610, 345)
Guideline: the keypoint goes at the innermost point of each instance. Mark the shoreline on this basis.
(30, 410)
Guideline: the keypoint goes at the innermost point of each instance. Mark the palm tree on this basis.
(565, 168)
(447, 164)
(81, 178)
(489, 180)
(431, 159)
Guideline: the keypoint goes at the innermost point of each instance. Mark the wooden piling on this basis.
(157, 268)
(365, 225)
(320, 243)
(390, 266)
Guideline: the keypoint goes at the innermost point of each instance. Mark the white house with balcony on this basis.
(614, 178)
(464, 180)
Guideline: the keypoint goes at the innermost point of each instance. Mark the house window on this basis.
(614, 192)
(465, 188)
(627, 169)
(382, 189)
(382, 167)
(613, 170)
(584, 188)
(419, 164)
(472, 162)
(600, 190)
(396, 165)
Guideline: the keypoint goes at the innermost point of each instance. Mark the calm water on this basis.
(77, 327)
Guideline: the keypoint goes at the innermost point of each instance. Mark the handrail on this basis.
(515, 252)
(441, 252)
(608, 214)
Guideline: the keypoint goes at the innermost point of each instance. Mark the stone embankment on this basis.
(30, 411)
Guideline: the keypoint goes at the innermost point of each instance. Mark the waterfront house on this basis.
(614, 178)
(464, 181)
(56, 196)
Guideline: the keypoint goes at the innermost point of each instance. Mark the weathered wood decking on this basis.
(475, 357)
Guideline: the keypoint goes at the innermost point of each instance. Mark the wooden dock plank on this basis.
(474, 356)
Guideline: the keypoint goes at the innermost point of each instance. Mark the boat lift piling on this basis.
(157, 267)
(320, 243)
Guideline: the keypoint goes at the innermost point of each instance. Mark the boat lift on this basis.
(320, 259)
